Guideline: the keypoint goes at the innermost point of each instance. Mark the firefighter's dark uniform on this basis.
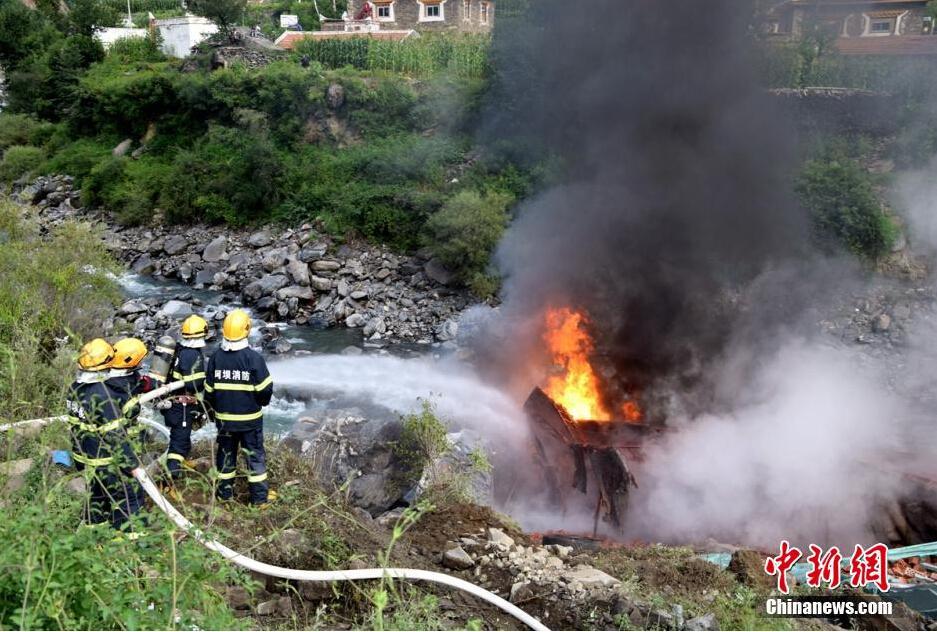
(237, 387)
(103, 452)
(188, 366)
(127, 390)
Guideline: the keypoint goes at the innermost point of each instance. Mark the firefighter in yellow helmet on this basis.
(237, 387)
(186, 409)
(100, 445)
(127, 381)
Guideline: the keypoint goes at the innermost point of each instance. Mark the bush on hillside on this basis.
(19, 161)
(844, 208)
(466, 230)
(20, 129)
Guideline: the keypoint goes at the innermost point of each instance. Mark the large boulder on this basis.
(296, 291)
(438, 272)
(260, 239)
(312, 252)
(175, 244)
(176, 310)
(215, 250)
(143, 264)
(347, 448)
(298, 271)
(265, 286)
(274, 259)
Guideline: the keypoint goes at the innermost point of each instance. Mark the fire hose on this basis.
(289, 573)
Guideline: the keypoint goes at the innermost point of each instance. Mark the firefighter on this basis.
(126, 379)
(186, 407)
(237, 387)
(100, 445)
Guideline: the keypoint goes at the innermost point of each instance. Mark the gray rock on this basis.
(355, 320)
(143, 264)
(590, 577)
(185, 271)
(326, 265)
(313, 252)
(320, 284)
(359, 295)
(335, 96)
(215, 250)
(348, 449)
(281, 346)
(274, 259)
(497, 536)
(270, 283)
(342, 288)
(457, 559)
(133, 306)
(382, 274)
(298, 271)
(296, 291)
(701, 624)
(260, 239)
(176, 310)
(175, 245)
(375, 326)
(206, 276)
(352, 350)
(122, 148)
(267, 608)
(439, 273)
(882, 323)
(219, 278)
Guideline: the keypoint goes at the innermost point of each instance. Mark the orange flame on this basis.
(577, 389)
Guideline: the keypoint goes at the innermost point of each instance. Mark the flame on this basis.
(631, 412)
(577, 388)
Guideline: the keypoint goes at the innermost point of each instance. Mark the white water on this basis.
(398, 384)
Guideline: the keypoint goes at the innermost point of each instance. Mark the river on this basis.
(330, 369)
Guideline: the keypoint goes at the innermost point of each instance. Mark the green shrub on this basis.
(844, 208)
(78, 158)
(229, 176)
(130, 50)
(465, 231)
(21, 129)
(19, 161)
(102, 176)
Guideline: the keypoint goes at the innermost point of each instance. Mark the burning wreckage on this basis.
(578, 443)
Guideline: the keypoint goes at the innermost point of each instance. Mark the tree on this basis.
(224, 13)
(87, 16)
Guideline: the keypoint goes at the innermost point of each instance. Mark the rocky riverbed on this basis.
(299, 275)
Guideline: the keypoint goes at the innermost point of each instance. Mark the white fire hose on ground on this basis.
(289, 573)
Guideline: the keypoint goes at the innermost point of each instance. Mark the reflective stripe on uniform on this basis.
(233, 417)
(188, 378)
(175, 457)
(208, 388)
(257, 478)
(93, 462)
(133, 401)
(231, 386)
(264, 384)
(111, 425)
(226, 476)
(165, 350)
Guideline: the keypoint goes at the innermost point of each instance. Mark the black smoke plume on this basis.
(676, 166)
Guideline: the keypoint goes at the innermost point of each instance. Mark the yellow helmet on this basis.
(128, 353)
(96, 355)
(237, 325)
(194, 327)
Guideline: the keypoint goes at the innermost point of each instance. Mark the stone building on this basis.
(469, 16)
(860, 27)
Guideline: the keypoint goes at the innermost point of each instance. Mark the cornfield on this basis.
(144, 5)
(464, 56)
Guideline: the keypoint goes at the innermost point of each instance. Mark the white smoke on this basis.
(797, 454)
(917, 196)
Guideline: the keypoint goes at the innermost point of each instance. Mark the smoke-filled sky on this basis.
(676, 231)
